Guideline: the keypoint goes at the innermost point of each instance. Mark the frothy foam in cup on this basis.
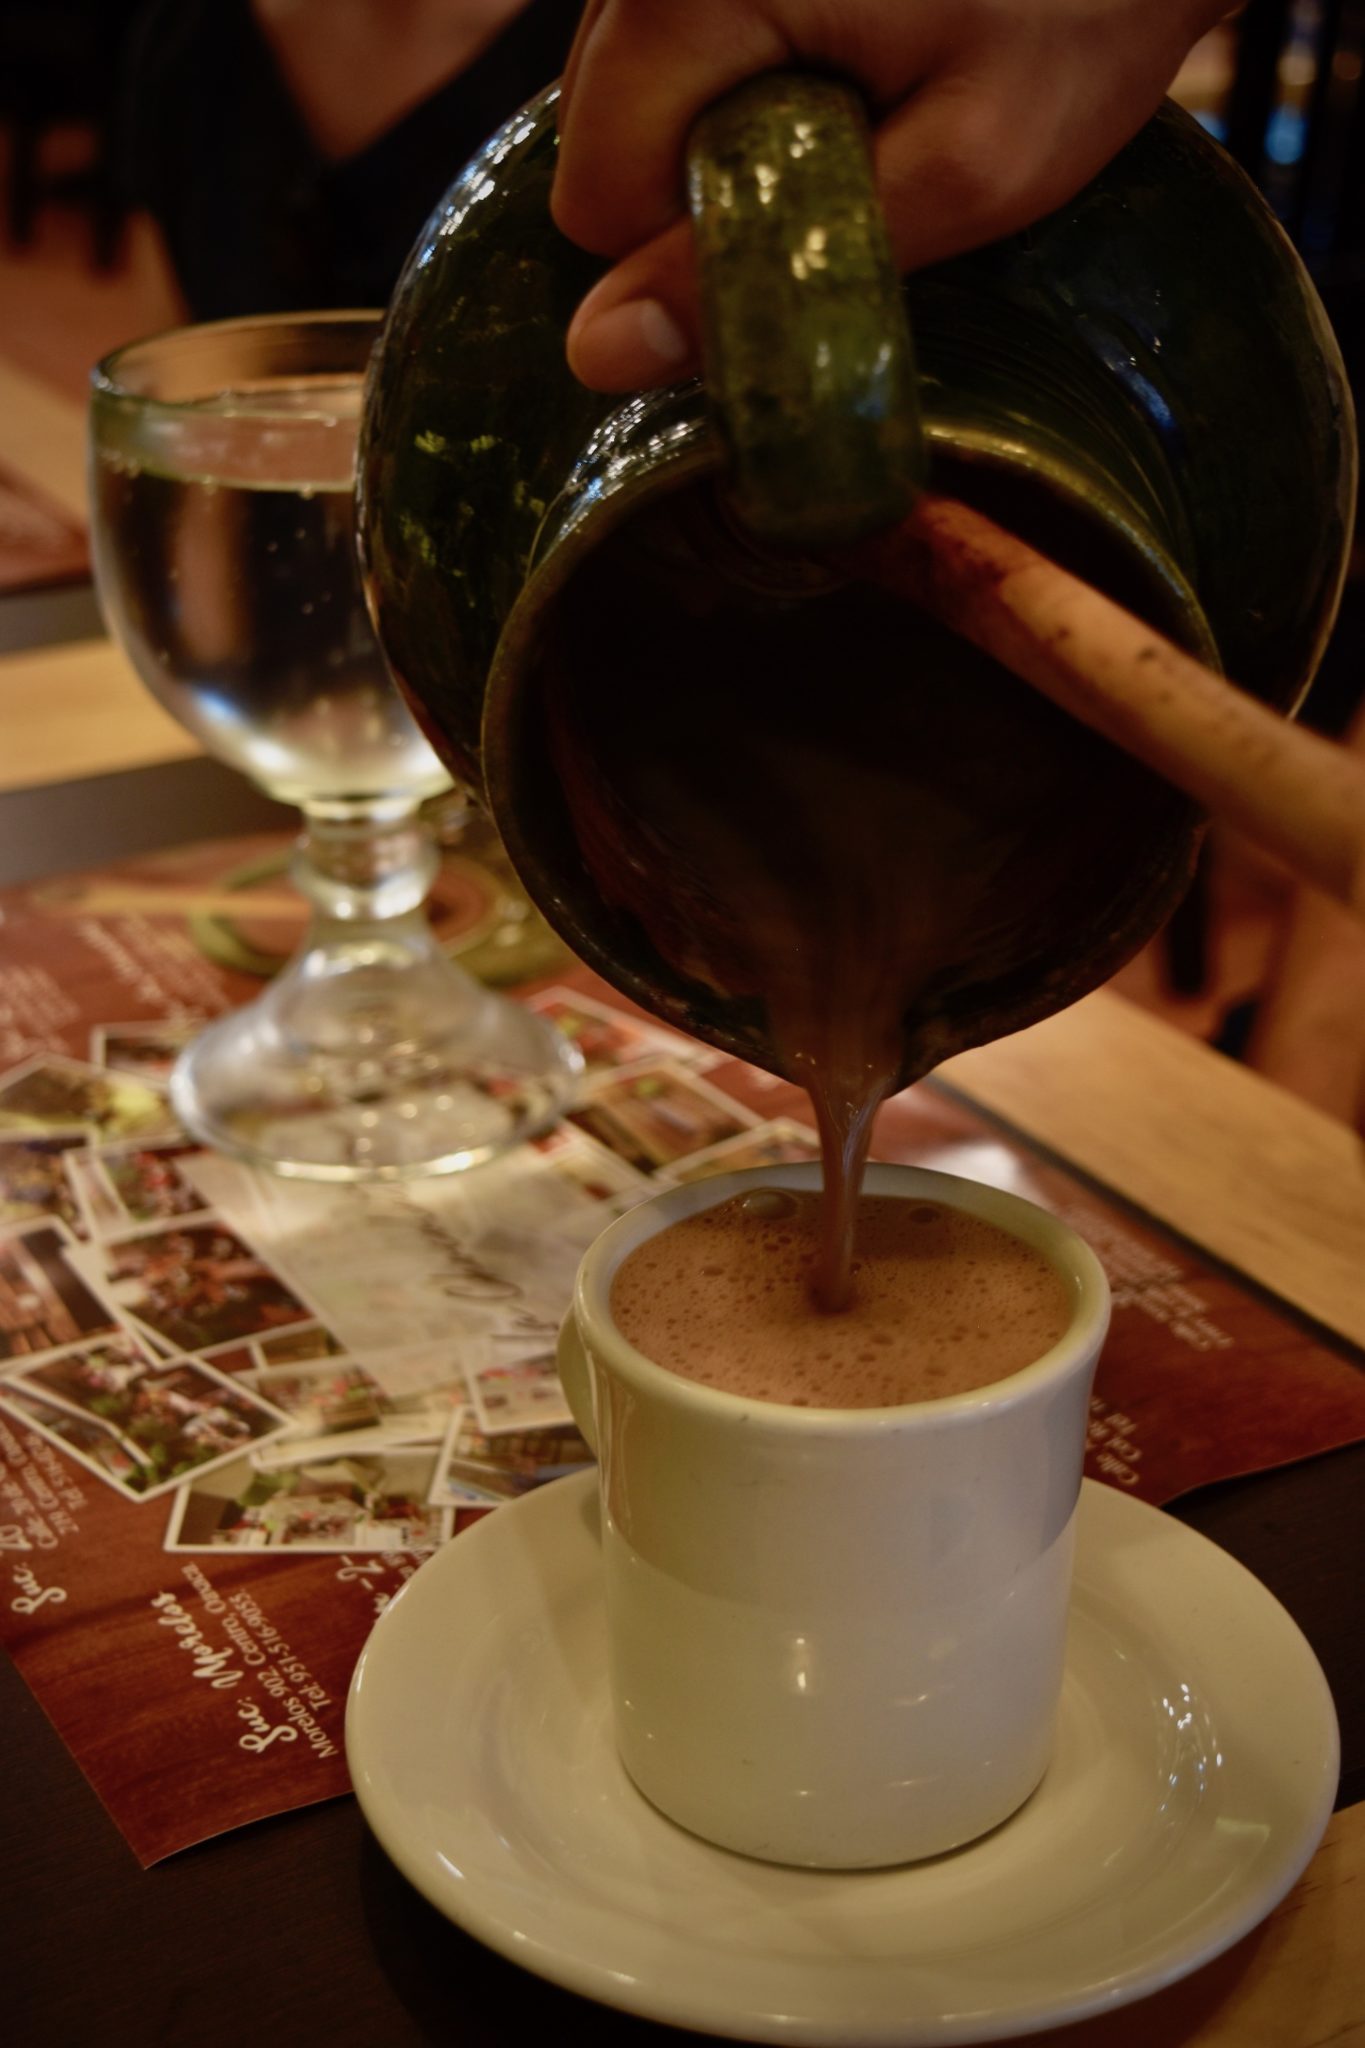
(942, 1302)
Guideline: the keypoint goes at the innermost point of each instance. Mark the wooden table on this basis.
(302, 1924)
(42, 437)
(68, 708)
(84, 746)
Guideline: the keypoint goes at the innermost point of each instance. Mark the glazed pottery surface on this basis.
(1144, 381)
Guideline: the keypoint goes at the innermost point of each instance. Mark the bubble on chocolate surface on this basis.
(767, 1205)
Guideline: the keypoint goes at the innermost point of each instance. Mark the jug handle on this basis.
(809, 367)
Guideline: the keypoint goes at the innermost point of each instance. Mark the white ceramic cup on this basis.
(836, 1635)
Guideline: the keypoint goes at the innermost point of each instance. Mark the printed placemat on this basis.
(236, 1412)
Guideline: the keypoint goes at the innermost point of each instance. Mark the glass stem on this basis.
(362, 985)
(363, 864)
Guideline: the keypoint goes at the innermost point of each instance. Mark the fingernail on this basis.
(659, 331)
(635, 343)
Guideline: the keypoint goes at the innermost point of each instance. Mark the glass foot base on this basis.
(373, 1074)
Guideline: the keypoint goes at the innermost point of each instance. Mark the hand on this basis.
(987, 114)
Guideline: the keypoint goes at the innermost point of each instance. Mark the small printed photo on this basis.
(296, 1346)
(654, 1116)
(141, 1425)
(45, 1303)
(368, 1503)
(147, 1186)
(100, 1214)
(427, 1372)
(479, 1471)
(522, 1393)
(51, 1094)
(337, 1397)
(779, 1143)
(193, 1287)
(592, 1170)
(34, 1181)
(233, 1359)
(147, 1050)
(610, 1038)
(321, 1398)
(353, 1443)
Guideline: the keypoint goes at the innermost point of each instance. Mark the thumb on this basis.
(638, 326)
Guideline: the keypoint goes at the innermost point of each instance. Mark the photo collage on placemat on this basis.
(317, 1384)
(186, 1335)
(445, 1296)
(116, 1283)
(165, 1354)
(308, 1367)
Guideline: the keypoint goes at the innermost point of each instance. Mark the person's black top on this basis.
(255, 219)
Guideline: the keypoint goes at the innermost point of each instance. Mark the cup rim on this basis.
(1066, 1251)
(107, 375)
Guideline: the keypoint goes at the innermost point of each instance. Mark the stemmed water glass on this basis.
(222, 492)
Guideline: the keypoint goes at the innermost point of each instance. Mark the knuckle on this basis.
(977, 172)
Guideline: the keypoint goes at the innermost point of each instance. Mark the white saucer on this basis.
(1194, 1773)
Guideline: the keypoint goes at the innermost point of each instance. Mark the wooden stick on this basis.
(1297, 794)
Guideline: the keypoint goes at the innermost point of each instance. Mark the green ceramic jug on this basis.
(1144, 383)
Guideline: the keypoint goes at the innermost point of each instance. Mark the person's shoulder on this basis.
(528, 53)
(426, 147)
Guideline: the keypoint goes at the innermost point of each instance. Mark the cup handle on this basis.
(809, 366)
(574, 1377)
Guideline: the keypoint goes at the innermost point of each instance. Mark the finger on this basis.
(582, 34)
(971, 157)
(968, 160)
(958, 166)
(640, 77)
(638, 325)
